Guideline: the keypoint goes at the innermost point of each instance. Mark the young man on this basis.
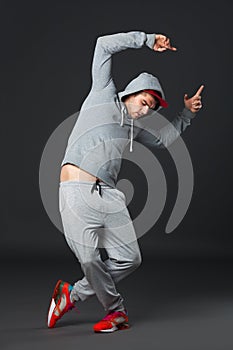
(93, 211)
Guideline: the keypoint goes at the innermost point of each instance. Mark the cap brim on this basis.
(162, 102)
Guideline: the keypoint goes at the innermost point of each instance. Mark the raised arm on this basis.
(108, 45)
(170, 132)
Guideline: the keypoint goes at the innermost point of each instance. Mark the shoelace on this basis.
(113, 315)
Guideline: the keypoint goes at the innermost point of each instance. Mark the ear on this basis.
(128, 97)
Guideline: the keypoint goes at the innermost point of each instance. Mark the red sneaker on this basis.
(114, 321)
(60, 302)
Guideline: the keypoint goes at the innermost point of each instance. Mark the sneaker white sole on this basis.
(119, 327)
(113, 329)
(51, 309)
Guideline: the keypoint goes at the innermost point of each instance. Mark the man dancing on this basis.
(93, 211)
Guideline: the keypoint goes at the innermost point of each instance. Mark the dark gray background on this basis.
(48, 53)
(46, 56)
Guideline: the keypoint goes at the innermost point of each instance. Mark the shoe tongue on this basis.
(112, 314)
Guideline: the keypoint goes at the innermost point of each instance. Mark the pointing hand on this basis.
(162, 43)
(194, 103)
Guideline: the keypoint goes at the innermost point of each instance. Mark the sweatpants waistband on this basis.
(94, 185)
(90, 183)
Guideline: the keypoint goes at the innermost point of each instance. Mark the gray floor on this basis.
(188, 306)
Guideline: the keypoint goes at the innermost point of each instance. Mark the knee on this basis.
(89, 262)
(136, 261)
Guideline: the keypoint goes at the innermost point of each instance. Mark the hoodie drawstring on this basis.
(131, 136)
(131, 128)
(122, 115)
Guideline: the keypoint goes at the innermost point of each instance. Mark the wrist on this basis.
(188, 113)
(150, 40)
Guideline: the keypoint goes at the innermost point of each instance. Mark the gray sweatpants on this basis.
(95, 216)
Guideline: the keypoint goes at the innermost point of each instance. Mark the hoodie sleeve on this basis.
(108, 45)
(164, 137)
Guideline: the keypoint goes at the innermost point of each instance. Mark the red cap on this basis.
(162, 102)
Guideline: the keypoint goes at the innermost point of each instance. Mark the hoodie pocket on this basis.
(120, 195)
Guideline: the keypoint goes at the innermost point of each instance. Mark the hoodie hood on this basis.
(144, 81)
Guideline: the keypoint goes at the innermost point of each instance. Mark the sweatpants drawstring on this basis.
(97, 187)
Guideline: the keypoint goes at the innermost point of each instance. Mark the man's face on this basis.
(139, 104)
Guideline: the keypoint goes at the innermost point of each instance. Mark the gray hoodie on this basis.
(103, 128)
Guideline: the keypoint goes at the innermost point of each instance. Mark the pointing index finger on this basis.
(199, 91)
(172, 48)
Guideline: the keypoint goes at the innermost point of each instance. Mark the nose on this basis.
(145, 109)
